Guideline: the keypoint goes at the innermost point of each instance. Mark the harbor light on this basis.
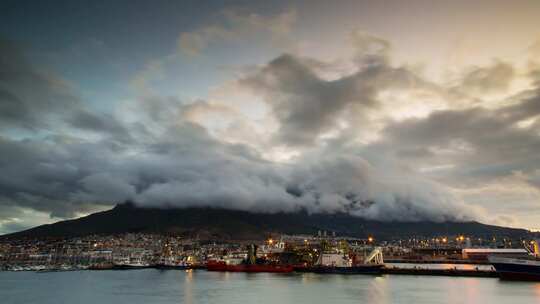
(370, 239)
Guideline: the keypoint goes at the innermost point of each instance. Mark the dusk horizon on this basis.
(299, 151)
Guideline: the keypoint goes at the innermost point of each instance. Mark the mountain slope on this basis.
(212, 223)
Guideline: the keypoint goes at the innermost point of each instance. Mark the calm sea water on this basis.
(176, 286)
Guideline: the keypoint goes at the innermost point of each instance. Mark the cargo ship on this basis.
(223, 266)
(250, 264)
(510, 268)
(360, 269)
(334, 263)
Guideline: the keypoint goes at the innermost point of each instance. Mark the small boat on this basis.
(130, 263)
(128, 266)
(518, 268)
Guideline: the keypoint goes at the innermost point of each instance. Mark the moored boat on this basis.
(129, 266)
(170, 262)
(223, 266)
(516, 268)
(130, 263)
(173, 265)
(101, 266)
(359, 269)
(332, 263)
(510, 268)
(250, 264)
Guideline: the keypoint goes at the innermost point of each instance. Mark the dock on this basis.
(451, 272)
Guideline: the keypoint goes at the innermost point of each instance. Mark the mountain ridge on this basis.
(228, 224)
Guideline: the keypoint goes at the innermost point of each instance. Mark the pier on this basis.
(451, 272)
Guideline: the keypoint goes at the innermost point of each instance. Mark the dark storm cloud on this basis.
(307, 105)
(163, 159)
(29, 97)
(101, 123)
(34, 99)
(13, 109)
(481, 144)
(185, 174)
(345, 180)
(494, 78)
(180, 165)
(527, 108)
(35, 178)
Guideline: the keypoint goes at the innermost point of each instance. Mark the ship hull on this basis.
(168, 267)
(517, 269)
(130, 267)
(101, 267)
(217, 266)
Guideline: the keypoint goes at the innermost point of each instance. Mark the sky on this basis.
(388, 110)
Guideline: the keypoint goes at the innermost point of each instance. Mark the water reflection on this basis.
(537, 289)
(188, 288)
(199, 286)
(378, 290)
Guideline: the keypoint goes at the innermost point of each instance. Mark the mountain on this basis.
(215, 223)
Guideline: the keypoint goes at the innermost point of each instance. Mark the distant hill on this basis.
(214, 223)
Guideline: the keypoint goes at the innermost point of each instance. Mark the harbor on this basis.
(323, 253)
(319, 268)
(406, 269)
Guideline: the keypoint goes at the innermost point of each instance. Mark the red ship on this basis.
(251, 264)
(222, 266)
